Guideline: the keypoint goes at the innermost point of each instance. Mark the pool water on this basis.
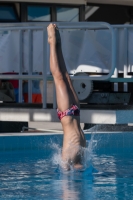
(29, 168)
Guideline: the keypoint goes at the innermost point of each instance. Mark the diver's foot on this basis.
(51, 30)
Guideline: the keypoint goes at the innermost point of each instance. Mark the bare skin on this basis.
(73, 138)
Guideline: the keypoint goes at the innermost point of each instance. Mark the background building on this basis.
(113, 12)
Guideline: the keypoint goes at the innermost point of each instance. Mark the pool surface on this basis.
(30, 168)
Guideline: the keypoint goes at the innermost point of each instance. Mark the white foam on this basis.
(86, 159)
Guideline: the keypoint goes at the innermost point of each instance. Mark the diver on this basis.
(68, 104)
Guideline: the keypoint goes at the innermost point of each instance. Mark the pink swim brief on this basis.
(73, 111)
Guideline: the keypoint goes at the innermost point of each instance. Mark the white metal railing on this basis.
(122, 31)
(112, 75)
(29, 77)
(44, 77)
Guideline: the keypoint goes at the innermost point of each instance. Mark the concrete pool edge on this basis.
(60, 133)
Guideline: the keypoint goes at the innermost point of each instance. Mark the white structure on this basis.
(95, 39)
(93, 52)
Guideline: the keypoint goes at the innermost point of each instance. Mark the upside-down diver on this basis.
(67, 102)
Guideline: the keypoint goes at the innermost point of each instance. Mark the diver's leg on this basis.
(62, 93)
(64, 89)
(68, 81)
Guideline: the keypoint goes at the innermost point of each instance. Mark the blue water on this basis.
(29, 169)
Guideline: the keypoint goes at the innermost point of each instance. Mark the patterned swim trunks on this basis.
(73, 111)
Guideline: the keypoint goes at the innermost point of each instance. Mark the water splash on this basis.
(86, 159)
(56, 158)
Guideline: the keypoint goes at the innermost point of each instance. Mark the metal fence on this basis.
(113, 73)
